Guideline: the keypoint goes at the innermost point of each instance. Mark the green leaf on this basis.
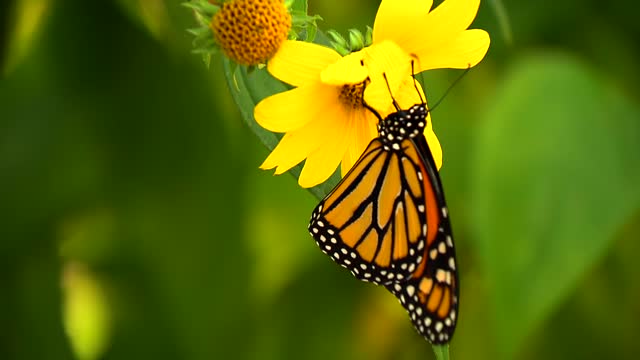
(556, 177)
(299, 5)
(247, 89)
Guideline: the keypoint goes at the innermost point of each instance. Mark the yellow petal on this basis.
(299, 63)
(388, 66)
(290, 110)
(436, 34)
(464, 50)
(364, 130)
(398, 20)
(323, 161)
(290, 151)
(295, 146)
(450, 18)
(434, 143)
(346, 71)
(440, 27)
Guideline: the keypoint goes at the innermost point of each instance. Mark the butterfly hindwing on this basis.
(431, 296)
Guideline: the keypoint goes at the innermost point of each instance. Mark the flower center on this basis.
(251, 31)
(352, 95)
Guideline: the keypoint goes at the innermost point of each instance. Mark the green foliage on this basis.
(556, 177)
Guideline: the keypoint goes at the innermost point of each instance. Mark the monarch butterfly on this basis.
(387, 222)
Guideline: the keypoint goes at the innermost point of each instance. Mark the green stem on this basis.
(441, 351)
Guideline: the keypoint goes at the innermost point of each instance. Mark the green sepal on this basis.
(197, 32)
(368, 36)
(213, 49)
(203, 42)
(356, 40)
(301, 23)
(202, 7)
(338, 42)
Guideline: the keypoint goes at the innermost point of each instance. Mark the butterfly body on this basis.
(387, 222)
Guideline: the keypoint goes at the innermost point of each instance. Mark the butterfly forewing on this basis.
(370, 222)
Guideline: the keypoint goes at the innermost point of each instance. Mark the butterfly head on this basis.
(403, 124)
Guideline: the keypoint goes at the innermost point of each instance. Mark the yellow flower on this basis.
(250, 31)
(324, 118)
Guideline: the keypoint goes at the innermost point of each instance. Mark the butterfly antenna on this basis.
(364, 103)
(395, 103)
(451, 87)
(415, 82)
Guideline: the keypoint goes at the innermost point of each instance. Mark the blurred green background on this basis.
(135, 223)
